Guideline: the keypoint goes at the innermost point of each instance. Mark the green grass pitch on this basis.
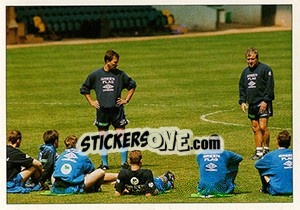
(180, 80)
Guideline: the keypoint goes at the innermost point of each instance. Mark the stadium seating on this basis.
(95, 21)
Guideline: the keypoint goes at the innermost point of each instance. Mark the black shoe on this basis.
(262, 190)
(44, 186)
(266, 151)
(170, 177)
(256, 157)
(125, 166)
(29, 183)
(103, 167)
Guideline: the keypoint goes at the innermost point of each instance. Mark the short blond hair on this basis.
(71, 141)
(250, 51)
(135, 157)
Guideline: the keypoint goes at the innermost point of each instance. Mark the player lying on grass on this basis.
(138, 181)
(276, 168)
(74, 172)
(218, 170)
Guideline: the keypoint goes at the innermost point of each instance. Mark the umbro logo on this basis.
(211, 167)
(108, 86)
(251, 84)
(288, 164)
(70, 155)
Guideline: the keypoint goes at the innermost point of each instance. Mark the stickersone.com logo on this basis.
(164, 140)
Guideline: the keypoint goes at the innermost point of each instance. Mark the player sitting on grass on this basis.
(20, 166)
(74, 172)
(276, 168)
(47, 156)
(218, 170)
(139, 181)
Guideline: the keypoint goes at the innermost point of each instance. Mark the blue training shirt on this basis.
(217, 170)
(47, 156)
(72, 165)
(278, 165)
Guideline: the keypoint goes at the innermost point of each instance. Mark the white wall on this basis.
(194, 17)
(251, 14)
(204, 18)
(284, 16)
(248, 14)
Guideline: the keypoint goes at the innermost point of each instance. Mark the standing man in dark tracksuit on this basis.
(256, 87)
(108, 83)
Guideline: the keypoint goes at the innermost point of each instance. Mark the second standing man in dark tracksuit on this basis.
(256, 87)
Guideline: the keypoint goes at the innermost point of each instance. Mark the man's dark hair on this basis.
(109, 55)
(13, 136)
(284, 139)
(50, 136)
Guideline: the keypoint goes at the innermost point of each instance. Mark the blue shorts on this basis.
(272, 191)
(212, 187)
(67, 190)
(160, 186)
(62, 187)
(16, 185)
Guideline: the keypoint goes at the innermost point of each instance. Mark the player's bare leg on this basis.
(258, 139)
(28, 173)
(263, 122)
(94, 179)
(110, 178)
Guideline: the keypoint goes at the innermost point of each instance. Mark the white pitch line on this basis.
(37, 103)
(204, 118)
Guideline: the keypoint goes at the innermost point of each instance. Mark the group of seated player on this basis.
(73, 171)
(218, 169)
